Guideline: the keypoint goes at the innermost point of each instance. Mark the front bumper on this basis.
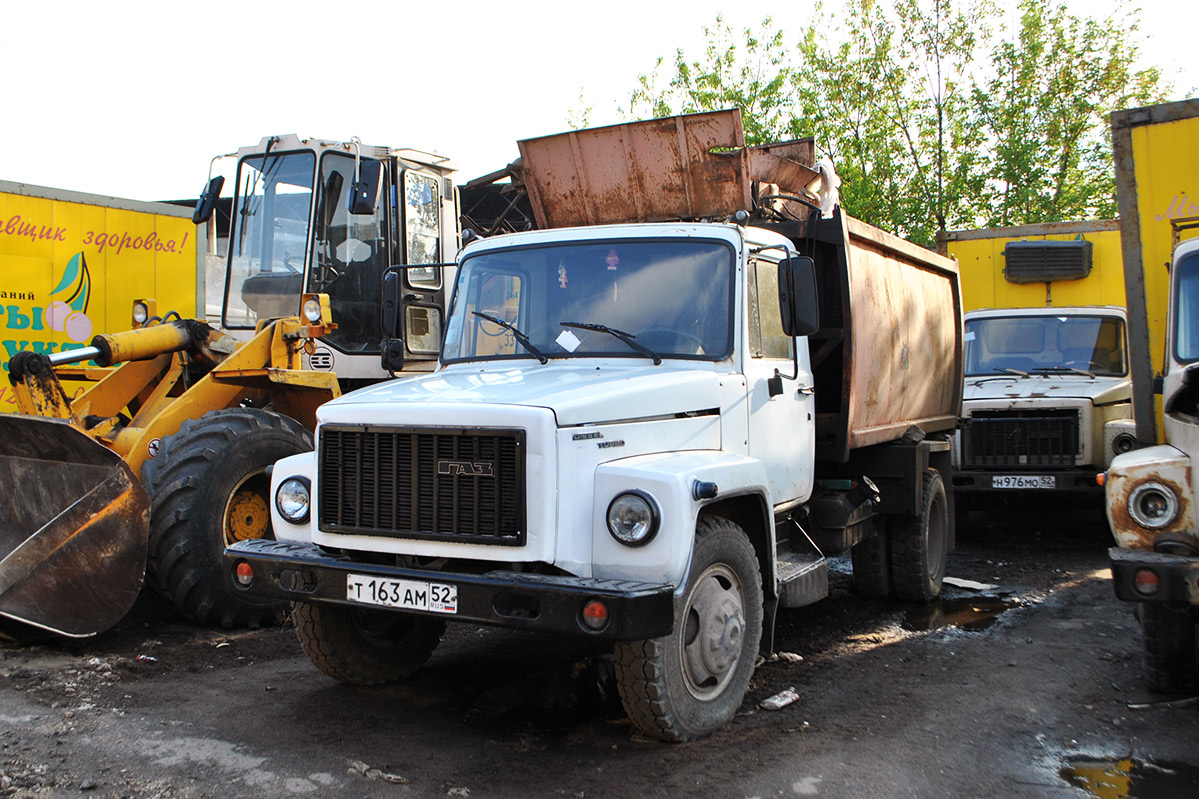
(1080, 482)
(1177, 575)
(519, 600)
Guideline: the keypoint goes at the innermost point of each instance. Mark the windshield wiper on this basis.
(627, 338)
(520, 337)
(1061, 370)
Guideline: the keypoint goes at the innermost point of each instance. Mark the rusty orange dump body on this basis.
(889, 354)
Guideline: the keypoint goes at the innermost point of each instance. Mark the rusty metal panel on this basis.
(685, 167)
(1163, 466)
(905, 341)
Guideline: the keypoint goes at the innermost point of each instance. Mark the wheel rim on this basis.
(247, 514)
(938, 539)
(713, 634)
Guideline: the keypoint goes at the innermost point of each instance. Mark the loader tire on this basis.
(208, 488)
(690, 683)
(1168, 635)
(365, 646)
(920, 545)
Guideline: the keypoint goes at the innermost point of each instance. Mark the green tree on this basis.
(747, 71)
(1043, 113)
(934, 114)
(885, 96)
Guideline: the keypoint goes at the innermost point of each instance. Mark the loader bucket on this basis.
(73, 528)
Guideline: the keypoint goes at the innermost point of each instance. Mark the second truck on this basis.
(649, 433)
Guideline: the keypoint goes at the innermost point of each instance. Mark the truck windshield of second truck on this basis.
(1045, 345)
(671, 298)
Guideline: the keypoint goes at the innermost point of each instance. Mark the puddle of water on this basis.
(1127, 778)
(973, 614)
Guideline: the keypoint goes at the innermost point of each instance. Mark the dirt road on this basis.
(1027, 689)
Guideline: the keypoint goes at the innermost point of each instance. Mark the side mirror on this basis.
(364, 192)
(207, 202)
(797, 296)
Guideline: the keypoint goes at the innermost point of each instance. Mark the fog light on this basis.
(1125, 442)
(595, 615)
(293, 498)
(633, 518)
(1145, 582)
(245, 573)
(1152, 505)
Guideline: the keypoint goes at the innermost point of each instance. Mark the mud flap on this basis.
(74, 522)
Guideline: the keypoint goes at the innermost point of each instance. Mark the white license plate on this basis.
(1023, 481)
(406, 594)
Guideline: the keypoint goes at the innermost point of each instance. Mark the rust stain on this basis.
(1132, 535)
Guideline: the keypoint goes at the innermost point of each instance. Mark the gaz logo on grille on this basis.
(466, 468)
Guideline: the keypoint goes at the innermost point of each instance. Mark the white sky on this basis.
(132, 99)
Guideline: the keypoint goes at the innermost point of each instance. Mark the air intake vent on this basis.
(1045, 261)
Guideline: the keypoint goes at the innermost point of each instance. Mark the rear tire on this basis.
(691, 683)
(1168, 635)
(364, 646)
(208, 487)
(871, 558)
(920, 545)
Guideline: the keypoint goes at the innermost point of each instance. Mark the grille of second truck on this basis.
(1021, 438)
(450, 485)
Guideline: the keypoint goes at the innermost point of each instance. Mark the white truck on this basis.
(1047, 402)
(651, 434)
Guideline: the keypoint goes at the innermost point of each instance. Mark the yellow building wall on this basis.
(71, 269)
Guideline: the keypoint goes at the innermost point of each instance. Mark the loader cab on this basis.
(331, 217)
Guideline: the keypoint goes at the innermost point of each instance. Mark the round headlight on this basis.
(140, 313)
(312, 310)
(293, 498)
(633, 518)
(1152, 505)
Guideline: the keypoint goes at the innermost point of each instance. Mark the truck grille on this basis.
(1021, 438)
(444, 484)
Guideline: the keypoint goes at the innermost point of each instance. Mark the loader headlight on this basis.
(1152, 505)
(633, 518)
(293, 499)
(312, 310)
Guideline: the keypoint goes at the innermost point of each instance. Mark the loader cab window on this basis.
(766, 336)
(349, 254)
(422, 229)
(268, 238)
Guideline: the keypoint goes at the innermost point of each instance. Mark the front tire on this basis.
(691, 683)
(1168, 635)
(208, 488)
(364, 646)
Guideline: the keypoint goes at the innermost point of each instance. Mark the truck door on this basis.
(781, 425)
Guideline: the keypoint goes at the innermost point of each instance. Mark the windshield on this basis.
(1186, 309)
(1041, 344)
(673, 297)
(268, 238)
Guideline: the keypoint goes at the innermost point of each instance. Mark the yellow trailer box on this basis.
(71, 265)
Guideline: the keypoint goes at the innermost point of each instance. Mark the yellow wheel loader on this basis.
(162, 461)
